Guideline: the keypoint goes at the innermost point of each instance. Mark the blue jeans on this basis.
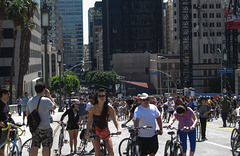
(192, 139)
(19, 109)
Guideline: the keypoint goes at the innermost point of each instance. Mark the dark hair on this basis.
(105, 107)
(181, 109)
(39, 87)
(91, 96)
(25, 93)
(3, 90)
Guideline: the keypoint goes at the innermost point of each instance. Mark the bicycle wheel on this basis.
(236, 146)
(11, 149)
(168, 148)
(82, 146)
(60, 143)
(26, 148)
(124, 147)
(103, 149)
(178, 150)
(198, 129)
(19, 143)
(233, 135)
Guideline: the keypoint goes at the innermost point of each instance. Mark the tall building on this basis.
(6, 53)
(72, 17)
(131, 26)
(207, 38)
(95, 36)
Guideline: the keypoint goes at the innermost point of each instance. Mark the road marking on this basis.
(222, 128)
(218, 145)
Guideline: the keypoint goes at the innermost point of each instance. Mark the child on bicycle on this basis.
(186, 118)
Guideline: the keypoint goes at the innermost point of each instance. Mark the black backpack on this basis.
(33, 119)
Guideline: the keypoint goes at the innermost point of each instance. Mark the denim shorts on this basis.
(42, 136)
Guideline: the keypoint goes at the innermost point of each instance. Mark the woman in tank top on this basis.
(98, 114)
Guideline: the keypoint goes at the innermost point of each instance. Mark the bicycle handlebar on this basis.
(61, 123)
(174, 128)
(136, 128)
(10, 125)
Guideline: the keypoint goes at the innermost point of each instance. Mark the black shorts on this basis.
(72, 127)
(148, 145)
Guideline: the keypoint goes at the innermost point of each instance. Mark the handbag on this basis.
(33, 119)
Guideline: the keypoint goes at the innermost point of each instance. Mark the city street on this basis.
(218, 142)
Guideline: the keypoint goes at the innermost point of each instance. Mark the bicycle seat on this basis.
(171, 133)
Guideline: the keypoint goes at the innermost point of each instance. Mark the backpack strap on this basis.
(39, 102)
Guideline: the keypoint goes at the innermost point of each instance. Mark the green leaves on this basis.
(100, 79)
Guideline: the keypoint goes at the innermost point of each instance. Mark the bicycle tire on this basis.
(19, 143)
(198, 129)
(60, 143)
(82, 146)
(168, 148)
(103, 150)
(11, 149)
(124, 147)
(26, 147)
(178, 150)
(233, 136)
(236, 146)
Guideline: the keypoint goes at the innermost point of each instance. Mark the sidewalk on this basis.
(19, 119)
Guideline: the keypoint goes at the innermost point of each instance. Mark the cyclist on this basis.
(99, 114)
(171, 104)
(186, 118)
(72, 125)
(146, 114)
(4, 116)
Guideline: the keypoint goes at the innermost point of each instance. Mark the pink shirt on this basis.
(185, 120)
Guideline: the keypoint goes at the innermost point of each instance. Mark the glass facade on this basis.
(72, 17)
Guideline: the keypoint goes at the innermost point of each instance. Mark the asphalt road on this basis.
(218, 143)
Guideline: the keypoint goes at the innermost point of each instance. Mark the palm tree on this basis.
(14, 14)
(29, 6)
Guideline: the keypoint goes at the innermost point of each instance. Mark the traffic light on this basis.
(147, 70)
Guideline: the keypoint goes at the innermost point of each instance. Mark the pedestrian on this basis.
(225, 104)
(145, 115)
(19, 105)
(5, 115)
(98, 114)
(24, 105)
(186, 118)
(203, 110)
(43, 135)
(72, 125)
(82, 110)
(171, 106)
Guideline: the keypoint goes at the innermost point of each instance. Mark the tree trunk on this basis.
(24, 58)
(12, 67)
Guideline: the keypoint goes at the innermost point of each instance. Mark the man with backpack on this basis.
(43, 134)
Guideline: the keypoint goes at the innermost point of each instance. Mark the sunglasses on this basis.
(144, 99)
(101, 96)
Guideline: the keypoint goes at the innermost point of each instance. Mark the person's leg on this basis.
(153, 142)
(71, 134)
(183, 139)
(204, 125)
(34, 151)
(192, 139)
(96, 145)
(224, 118)
(109, 146)
(24, 114)
(46, 151)
(75, 140)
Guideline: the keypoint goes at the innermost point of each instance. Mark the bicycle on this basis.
(130, 146)
(173, 147)
(198, 131)
(102, 143)
(234, 135)
(235, 142)
(13, 141)
(165, 115)
(61, 139)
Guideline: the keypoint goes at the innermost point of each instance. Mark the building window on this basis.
(205, 15)
(6, 52)
(219, 24)
(174, 4)
(194, 15)
(195, 34)
(211, 6)
(211, 25)
(211, 15)
(218, 6)
(7, 33)
(218, 15)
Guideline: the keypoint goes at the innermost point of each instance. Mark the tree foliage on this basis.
(70, 82)
(101, 79)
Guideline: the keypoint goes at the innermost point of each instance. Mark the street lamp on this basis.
(223, 57)
(163, 57)
(59, 59)
(45, 26)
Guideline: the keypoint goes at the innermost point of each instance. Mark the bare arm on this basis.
(90, 117)
(114, 118)
(50, 97)
(172, 121)
(194, 117)
(159, 122)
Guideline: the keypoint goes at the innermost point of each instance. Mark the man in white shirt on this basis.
(145, 115)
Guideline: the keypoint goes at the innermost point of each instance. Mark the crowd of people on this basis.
(94, 112)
